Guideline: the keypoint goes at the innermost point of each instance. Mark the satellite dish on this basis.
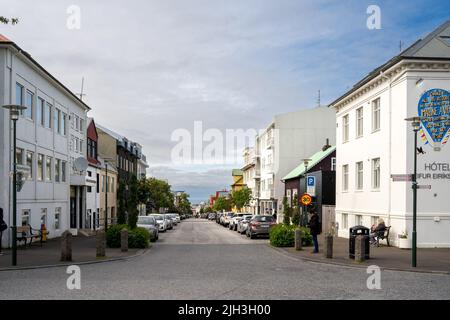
(80, 164)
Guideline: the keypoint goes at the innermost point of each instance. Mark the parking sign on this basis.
(311, 185)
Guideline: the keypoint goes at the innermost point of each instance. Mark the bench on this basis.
(382, 235)
(25, 233)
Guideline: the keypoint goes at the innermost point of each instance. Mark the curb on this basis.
(137, 254)
(333, 263)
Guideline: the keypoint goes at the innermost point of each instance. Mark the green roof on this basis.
(237, 172)
(315, 159)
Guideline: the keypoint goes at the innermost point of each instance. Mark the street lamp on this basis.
(415, 121)
(14, 113)
(304, 215)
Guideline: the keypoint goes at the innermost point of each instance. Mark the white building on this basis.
(43, 141)
(374, 142)
(251, 175)
(290, 138)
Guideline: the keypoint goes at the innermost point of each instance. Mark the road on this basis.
(201, 260)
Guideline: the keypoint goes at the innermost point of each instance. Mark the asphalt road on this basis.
(202, 260)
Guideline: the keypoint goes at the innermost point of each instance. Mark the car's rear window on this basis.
(158, 217)
(264, 218)
(146, 220)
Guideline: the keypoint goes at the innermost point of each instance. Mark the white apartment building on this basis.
(251, 175)
(43, 141)
(374, 142)
(290, 138)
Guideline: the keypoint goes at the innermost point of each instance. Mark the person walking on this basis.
(314, 226)
(3, 227)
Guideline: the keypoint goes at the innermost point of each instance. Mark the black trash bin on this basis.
(357, 231)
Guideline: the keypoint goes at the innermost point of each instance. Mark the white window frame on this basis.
(359, 122)
(376, 173)
(376, 115)
(345, 128)
(333, 164)
(345, 177)
(344, 220)
(359, 175)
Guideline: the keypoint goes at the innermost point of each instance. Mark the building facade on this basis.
(43, 141)
(251, 175)
(375, 142)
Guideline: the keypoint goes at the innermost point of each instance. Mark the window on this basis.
(81, 146)
(19, 156)
(19, 95)
(57, 217)
(333, 164)
(57, 169)
(89, 173)
(89, 189)
(81, 125)
(48, 168)
(44, 216)
(41, 111)
(48, 115)
(344, 221)
(359, 175)
(98, 183)
(345, 129)
(376, 173)
(288, 196)
(345, 177)
(359, 122)
(376, 115)
(57, 120)
(103, 183)
(29, 163)
(77, 123)
(63, 124)
(63, 171)
(76, 144)
(40, 171)
(358, 220)
(26, 220)
(29, 104)
(113, 185)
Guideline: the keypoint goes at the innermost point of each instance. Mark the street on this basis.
(200, 259)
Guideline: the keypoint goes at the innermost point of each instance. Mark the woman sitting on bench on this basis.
(376, 230)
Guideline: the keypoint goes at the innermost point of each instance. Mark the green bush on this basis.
(137, 237)
(113, 235)
(284, 236)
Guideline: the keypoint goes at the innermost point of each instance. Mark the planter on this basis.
(404, 243)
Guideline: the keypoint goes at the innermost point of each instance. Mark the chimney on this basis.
(326, 146)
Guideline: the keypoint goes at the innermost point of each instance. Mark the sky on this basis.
(154, 68)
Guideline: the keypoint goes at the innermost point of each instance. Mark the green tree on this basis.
(241, 198)
(208, 209)
(133, 201)
(295, 211)
(160, 195)
(287, 212)
(121, 209)
(222, 203)
(184, 205)
(5, 20)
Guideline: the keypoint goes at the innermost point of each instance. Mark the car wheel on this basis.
(252, 236)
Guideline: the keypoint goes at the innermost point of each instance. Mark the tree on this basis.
(5, 20)
(287, 212)
(241, 198)
(295, 211)
(121, 209)
(133, 201)
(222, 203)
(208, 209)
(184, 205)
(160, 195)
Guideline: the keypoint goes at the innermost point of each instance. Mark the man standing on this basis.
(3, 227)
(314, 226)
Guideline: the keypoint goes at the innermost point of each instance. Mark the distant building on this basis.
(251, 174)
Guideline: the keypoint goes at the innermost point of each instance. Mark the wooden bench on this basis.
(382, 235)
(25, 233)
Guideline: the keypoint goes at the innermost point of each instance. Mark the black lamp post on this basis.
(304, 220)
(14, 113)
(415, 121)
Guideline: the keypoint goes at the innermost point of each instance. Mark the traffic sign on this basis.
(311, 185)
(401, 177)
(306, 199)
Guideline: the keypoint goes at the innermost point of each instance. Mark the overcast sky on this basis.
(152, 67)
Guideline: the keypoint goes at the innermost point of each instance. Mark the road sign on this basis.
(311, 185)
(424, 186)
(401, 177)
(306, 199)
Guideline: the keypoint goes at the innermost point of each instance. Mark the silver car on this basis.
(163, 223)
(243, 224)
(174, 218)
(235, 220)
(169, 220)
(149, 223)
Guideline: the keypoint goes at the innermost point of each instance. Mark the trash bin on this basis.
(357, 231)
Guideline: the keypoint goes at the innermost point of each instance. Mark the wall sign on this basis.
(434, 108)
(311, 185)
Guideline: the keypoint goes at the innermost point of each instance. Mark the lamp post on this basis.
(304, 221)
(14, 113)
(415, 121)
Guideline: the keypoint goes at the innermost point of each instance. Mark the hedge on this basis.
(137, 237)
(282, 235)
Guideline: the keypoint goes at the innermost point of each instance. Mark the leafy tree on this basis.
(5, 20)
(208, 209)
(222, 203)
(202, 211)
(160, 195)
(287, 212)
(241, 198)
(184, 205)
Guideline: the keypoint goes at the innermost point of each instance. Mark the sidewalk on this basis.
(83, 251)
(428, 260)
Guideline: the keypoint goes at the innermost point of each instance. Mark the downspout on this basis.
(9, 142)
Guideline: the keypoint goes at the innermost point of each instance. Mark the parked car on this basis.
(227, 218)
(173, 217)
(235, 220)
(260, 225)
(218, 217)
(151, 225)
(169, 221)
(163, 223)
(243, 224)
